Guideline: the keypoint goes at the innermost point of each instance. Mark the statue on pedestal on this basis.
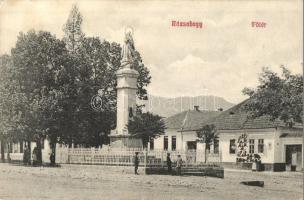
(126, 97)
(128, 49)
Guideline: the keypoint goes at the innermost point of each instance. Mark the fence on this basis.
(106, 156)
(96, 156)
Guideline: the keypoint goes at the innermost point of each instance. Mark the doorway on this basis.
(293, 157)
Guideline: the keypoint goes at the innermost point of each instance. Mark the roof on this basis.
(189, 120)
(237, 118)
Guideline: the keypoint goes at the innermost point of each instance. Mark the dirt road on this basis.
(101, 182)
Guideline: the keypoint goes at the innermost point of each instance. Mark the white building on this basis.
(274, 141)
(180, 134)
(278, 145)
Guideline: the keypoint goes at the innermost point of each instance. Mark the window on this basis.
(216, 146)
(191, 145)
(251, 146)
(173, 143)
(261, 146)
(151, 144)
(165, 142)
(232, 147)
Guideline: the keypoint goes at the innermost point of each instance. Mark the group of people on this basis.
(27, 156)
(179, 163)
(35, 155)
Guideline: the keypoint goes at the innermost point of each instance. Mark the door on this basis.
(293, 157)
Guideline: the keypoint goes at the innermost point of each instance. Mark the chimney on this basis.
(196, 108)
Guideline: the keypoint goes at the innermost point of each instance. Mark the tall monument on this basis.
(126, 97)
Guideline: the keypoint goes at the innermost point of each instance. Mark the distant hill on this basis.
(166, 107)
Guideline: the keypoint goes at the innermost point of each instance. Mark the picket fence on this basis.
(125, 157)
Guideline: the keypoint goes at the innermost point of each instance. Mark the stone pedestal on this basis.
(126, 108)
(126, 99)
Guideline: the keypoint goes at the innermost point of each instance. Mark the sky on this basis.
(221, 58)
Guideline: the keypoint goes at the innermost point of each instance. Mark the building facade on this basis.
(180, 134)
(279, 145)
(275, 146)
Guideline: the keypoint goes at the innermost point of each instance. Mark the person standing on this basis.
(34, 156)
(136, 163)
(52, 158)
(179, 163)
(25, 155)
(169, 163)
(294, 160)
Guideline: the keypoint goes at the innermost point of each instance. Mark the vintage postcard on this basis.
(144, 100)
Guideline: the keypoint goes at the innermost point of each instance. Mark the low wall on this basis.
(275, 167)
(212, 171)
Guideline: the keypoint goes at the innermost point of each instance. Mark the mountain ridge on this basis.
(166, 107)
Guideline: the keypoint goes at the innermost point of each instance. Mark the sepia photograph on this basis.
(151, 100)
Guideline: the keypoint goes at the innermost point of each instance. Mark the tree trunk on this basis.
(2, 150)
(8, 152)
(29, 146)
(205, 153)
(39, 152)
(53, 154)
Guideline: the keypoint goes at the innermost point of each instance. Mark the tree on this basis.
(146, 126)
(49, 84)
(6, 101)
(98, 64)
(242, 147)
(95, 63)
(144, 77)
(38, 58)
(12, 124)
(207, 134)
(72, 29)
(280, 97)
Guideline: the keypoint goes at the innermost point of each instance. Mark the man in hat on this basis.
(136, 162)
(169, 163)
